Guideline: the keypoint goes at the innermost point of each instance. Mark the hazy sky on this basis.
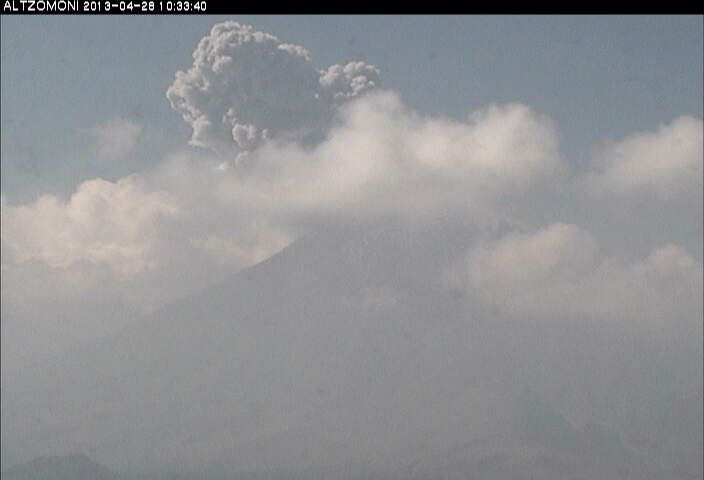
(475, 208)
(559, 139)
(598, 78)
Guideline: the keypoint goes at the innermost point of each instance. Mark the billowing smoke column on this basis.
(246, 86)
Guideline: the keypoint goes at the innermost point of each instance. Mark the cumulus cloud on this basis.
(247, 250)
(559, 251)
(114, 138)
(373, 157)
(381, 157)
(667, 162)
(246, 86)
(558, 272)
(104, 223)
(292, 150)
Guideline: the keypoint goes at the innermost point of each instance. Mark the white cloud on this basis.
(246, 86)
(667, 162)
(104, 223)
(559, 251)
(114, 138)
(380, 157)
(292, 149)
(373, 157)
(557, 273)
(237, 251)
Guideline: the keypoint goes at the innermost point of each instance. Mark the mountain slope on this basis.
(345, 356)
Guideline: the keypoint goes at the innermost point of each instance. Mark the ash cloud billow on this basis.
(246, 86)
(338, 285)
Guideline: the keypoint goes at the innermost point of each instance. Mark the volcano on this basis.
(352, 354)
